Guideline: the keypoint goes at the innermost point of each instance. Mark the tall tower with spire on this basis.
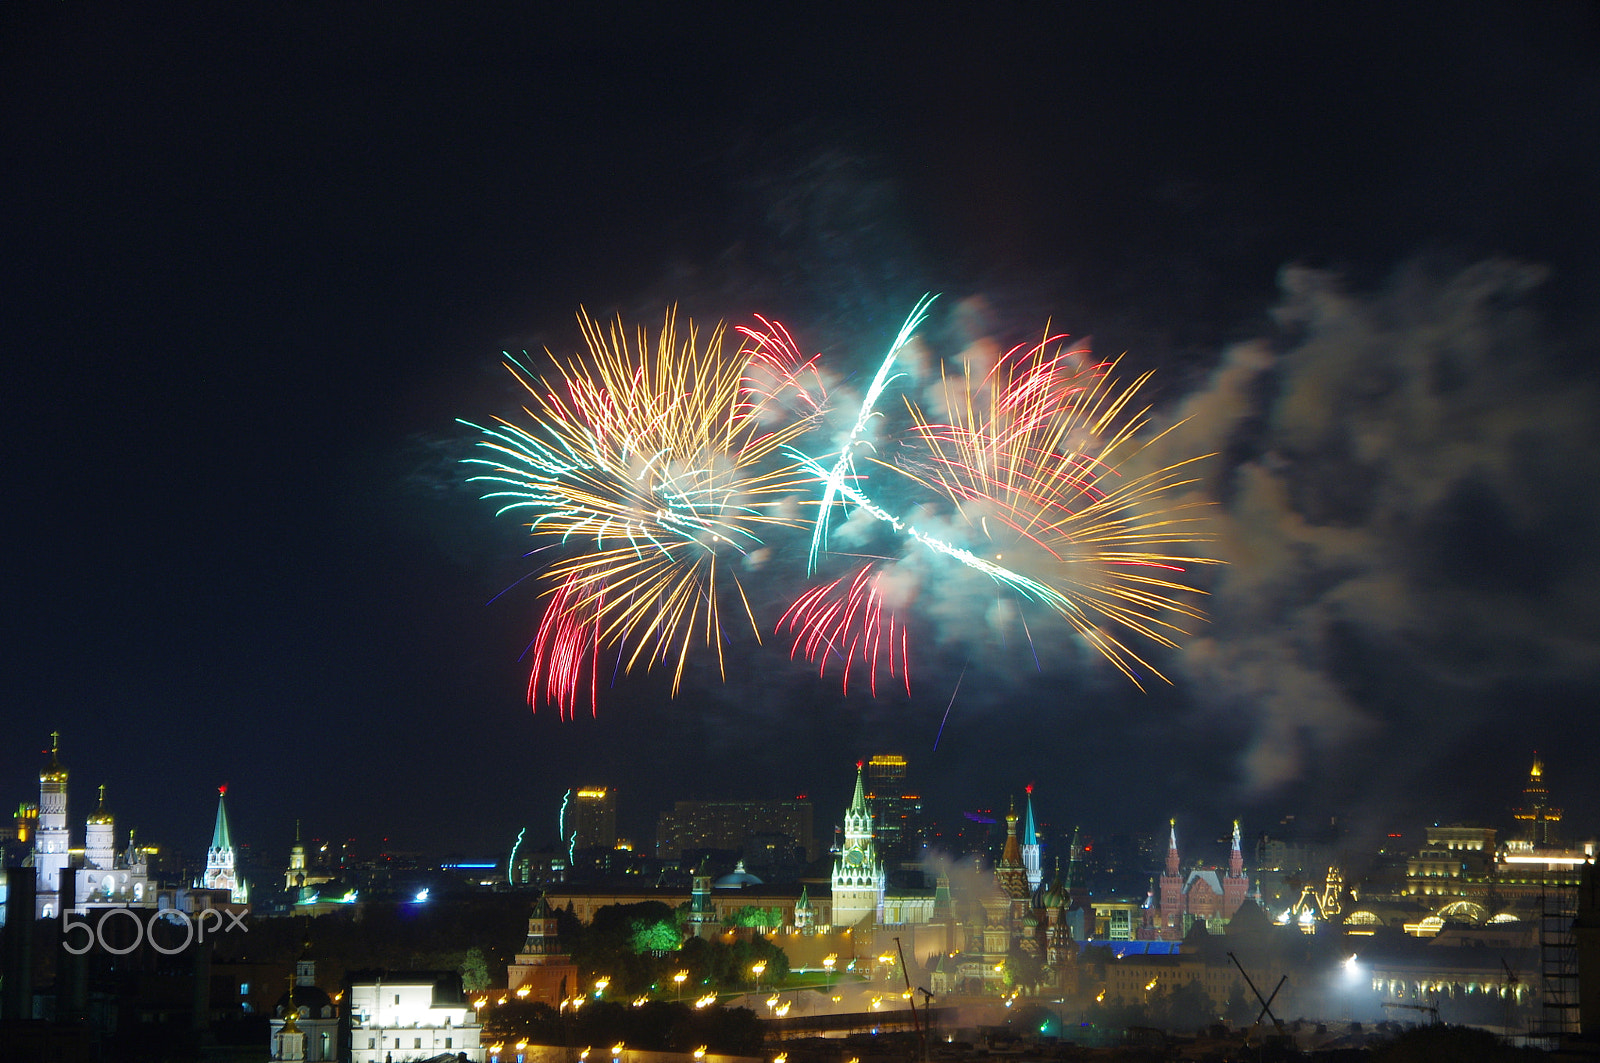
(1236, 884)
(295, 877)
(1537, 815)
(543, 967)
(858, 876)
(221, 870)
(51, 841)
(1030, 845)
(1172, 884)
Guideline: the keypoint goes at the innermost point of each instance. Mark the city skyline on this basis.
(260, 265)
(1504, 812)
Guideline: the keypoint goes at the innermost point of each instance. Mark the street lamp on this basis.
(678, 980)
(828, 963)
(758, 969)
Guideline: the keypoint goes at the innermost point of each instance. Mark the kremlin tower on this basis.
(221, 872)
(858, 875)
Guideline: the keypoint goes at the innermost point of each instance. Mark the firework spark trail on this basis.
(845, 465)
(1050, 470)
(659, 468)
(948, 706)
(850, 623)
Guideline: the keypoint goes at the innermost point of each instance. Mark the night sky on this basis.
(257, 264)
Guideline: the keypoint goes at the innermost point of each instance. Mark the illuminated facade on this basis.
(221, 870)
(109, 878)
(1206, 895)
(423, 1015)
(896, 810)
(542, 973)
(1537, 817)
(1030, 844)
(297, 876)
(305, 1023)
(51, 841)
(1455, 864)
(858, 876)
(594, 818)
(1465, 874)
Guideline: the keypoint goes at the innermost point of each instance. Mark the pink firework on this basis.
(851, 622)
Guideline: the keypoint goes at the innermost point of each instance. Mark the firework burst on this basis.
(1042, 461)
(659, 468)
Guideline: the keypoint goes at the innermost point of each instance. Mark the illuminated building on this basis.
(594, 818)
(696, 826)
(417, 1015)
(108, 878)
(1465, 874)
(543, 972)
(51, 841)
(305, 1023)
(1455, 864)
(221, 872)
(1207, 895)
(1030, 844)
(703, 919)
(27, 821)
(896, 810)
(858, 875)
(298, 876)
(1537, 814)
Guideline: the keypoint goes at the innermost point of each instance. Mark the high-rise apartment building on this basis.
(592, 818)
(693, 825)
(896, 809)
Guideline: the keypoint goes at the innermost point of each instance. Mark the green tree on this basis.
(474, 971)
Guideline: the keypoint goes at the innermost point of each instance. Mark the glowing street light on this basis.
(828, 963)
(758, 969)
(678, 980)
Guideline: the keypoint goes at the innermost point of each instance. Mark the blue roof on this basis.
(1136, 948)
